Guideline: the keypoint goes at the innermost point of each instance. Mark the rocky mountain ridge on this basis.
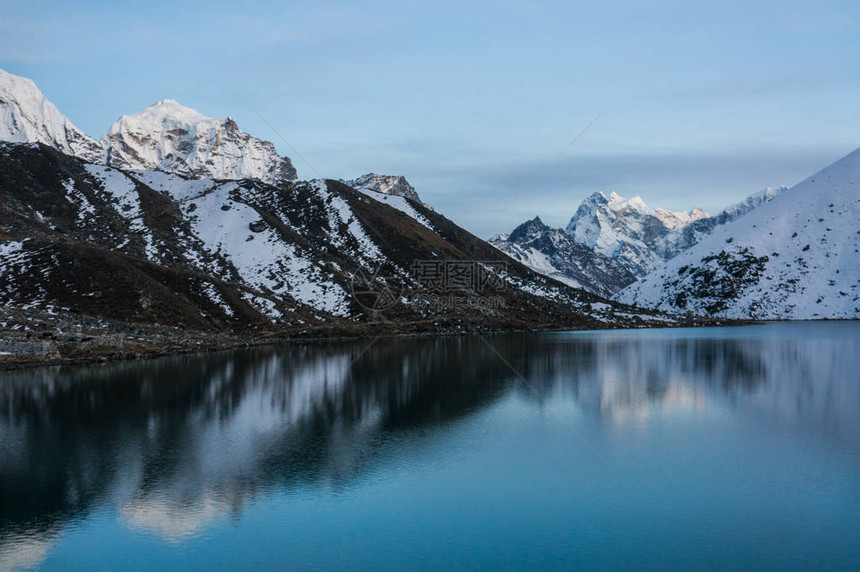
(552, 252)
(149, 251)
(386, 185)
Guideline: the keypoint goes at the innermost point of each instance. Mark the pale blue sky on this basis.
(705, 102)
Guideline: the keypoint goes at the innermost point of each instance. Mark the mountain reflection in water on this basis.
(175, 444)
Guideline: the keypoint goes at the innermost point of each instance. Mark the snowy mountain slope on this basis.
(385, 184)
(555, 254)
(170, 137)
(400, 203)
(753, 201)
(26, 115)
(155, 248)
(796, 256)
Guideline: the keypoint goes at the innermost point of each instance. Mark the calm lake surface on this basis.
(646, 449)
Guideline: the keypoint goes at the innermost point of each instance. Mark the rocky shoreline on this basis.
(38, 338)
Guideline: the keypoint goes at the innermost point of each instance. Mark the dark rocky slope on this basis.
(159, 261)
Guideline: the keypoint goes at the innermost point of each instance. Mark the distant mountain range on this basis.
(611, 241)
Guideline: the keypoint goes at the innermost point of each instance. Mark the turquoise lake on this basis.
(713, 448)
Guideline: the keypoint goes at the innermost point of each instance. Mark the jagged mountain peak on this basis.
(27, 116)
(611, 204)
(617, 202)
(550, 251)
(677, 219)
(169, 112)
(19, 85)
(597, 198)
(528, 230)
(627, 229)
(386, 184)
(171, 137)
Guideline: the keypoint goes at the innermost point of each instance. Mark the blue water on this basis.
(647, 449)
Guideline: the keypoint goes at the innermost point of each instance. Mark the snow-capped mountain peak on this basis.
(385, 184)
(677, 219)
(626, 229)
(171, 137)
(618, 203)
(166, 136)
(170, 110)
(27, 116)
